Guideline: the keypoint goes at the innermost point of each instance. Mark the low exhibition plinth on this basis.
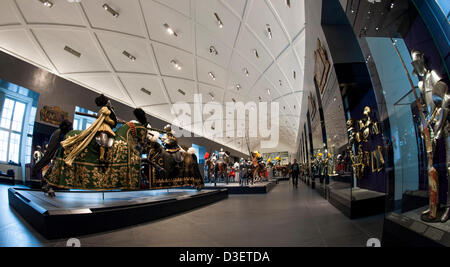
(74, 213)
(236, 188)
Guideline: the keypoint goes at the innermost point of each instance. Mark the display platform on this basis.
(321, 189)
(74, 213)
(408, 230)
(358, 202)
(235, 188)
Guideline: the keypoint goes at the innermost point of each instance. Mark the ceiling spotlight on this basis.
(246, 72)
(72, 51)
(238, 87)
(259, 98)
(234, 100)
(288, 3)
(212, 75)
(295, 75)
(181, 92)
(128, 55)
(111, 10)
(146, 91)
(170, 30)
(281, 83)
(256, 53)
(46, 3)
(269, 31)
(268, 91)
(175, 64)
(213, 50)
(211, 95)
(219, 21)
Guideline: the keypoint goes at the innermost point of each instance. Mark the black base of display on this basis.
(282, 178)
(7, 180)
(405, 230)
(69, 221)
(357, 208)
(322, 190)
(414, 199)
(236, 189)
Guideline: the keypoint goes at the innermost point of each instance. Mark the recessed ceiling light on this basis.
(246, 72)
(238, 87)
(281, 83)
(181, 92)
(170, 30)
(176, 64)
(46, 3)
(111, 10)
(213, 50)
(146, 91)
(212, 75)
(129, 56)
(219, 21)
(269, 31)
(72, 51)
(256, 53)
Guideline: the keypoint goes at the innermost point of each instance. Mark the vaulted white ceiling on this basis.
(38, 34)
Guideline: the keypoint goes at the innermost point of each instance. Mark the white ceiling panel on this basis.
(237, 7)
(180, 90)
(18, 43)
(182, 6)
(205, 10)
(291, 69)
(292, 17)
(145, 90)
(115, 45)
(55, 40)
(246, 72)
(129, 20)
(277, 78)
(248, 46)
(259, 16)
(40, 34)
(7, 14)
(104, 83)
(156, 15)
(210, 93)
(63, 12)
(206, 39)
(211, 73)
(165, 54)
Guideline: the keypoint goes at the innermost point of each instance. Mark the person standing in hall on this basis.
(295, 172)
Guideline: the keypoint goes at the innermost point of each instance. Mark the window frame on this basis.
(28, 101)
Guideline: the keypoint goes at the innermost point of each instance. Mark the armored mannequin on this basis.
(170, 143)
(105, 135)
(435, 99)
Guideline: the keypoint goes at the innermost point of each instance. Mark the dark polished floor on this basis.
(283, 217)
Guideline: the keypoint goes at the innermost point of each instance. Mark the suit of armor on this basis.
(435, 100)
